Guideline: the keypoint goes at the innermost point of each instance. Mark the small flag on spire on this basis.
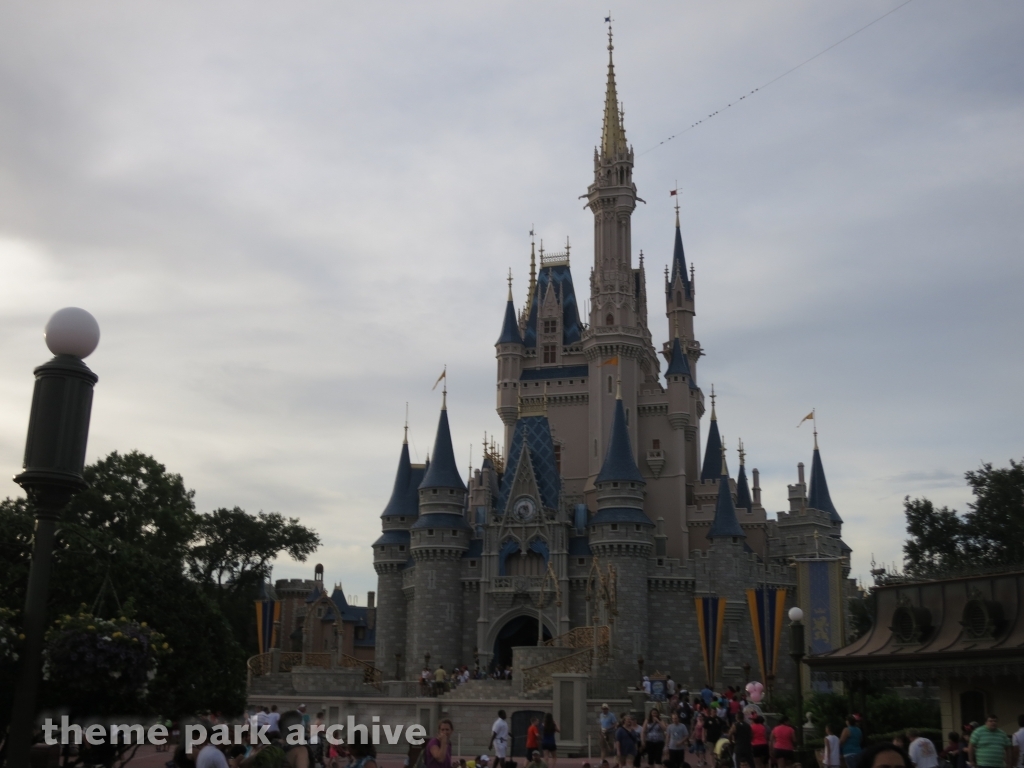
(673, 192)
(808, 417)
(444, 375)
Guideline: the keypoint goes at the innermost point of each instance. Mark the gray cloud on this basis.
(287, 219)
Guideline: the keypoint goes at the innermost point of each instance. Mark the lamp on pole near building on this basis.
(58, 430)
(796, 650)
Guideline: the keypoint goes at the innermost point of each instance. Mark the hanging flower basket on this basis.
(9, 639)
(87, 658)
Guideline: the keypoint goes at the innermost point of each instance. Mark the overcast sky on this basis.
(288, 217)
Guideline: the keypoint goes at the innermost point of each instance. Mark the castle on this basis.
(599, 510)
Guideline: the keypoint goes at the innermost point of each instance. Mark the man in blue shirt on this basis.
(707, 694)
(607, 721)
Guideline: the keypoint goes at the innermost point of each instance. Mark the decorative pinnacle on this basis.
(713, 416)
(743, 454)
(676, 190)
(724, 470)
(618, 387)
(608, 21)
(510, 283)
(444, 390)
(406, 440)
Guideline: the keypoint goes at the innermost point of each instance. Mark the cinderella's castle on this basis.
(599, 509)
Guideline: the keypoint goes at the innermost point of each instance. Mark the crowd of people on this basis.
(440, 681)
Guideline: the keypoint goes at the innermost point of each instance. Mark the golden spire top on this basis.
(510, 283)
(713, 416)
(613, 132)
(531, 289)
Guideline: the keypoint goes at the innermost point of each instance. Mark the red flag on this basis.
(672, 192)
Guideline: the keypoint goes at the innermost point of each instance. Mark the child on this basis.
(830, 758)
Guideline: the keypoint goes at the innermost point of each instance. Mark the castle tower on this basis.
(510, 352)
(439, 537)
(743, 498)
(679, 303)
(713, 457)
(390, 557)
(622, 536)
(818, 496)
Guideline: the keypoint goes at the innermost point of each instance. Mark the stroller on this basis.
(723, 753)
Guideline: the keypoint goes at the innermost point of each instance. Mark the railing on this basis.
(581, 637)
(371, 675)
(539, 677)
(261, 664)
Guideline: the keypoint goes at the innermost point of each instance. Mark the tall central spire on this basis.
(613, 132)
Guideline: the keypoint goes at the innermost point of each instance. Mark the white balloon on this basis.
(72, 331)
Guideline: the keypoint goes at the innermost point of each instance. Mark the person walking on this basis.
(547, 741)
(990, 747)
(499, 739)
(607, 723)
(698, 738)
(439, 749)
(759, 742)
(851, 742)
(742, 735)
(783, 743)
(653, 737)
(831, 756)
(922, 751)
(533, 736)
(677, 736)
(625, 742)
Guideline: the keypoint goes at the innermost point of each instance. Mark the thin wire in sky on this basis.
(779, 77)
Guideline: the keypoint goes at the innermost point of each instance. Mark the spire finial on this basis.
(444, 389)
(608, 21)
(675, 194)
(814, 421)
(618, 387)
(724, 470)
(567, 247)
(406, 440)
(713, 416)
(510, 283)
(743, 454)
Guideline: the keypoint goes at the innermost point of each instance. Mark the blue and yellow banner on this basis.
(710, 621)
(268, 613)
(767, 608)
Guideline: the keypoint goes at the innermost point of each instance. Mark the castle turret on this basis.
(712, 468)
(439, 537)
(679, 304)
(817, 495)
(510, 353)
(743, 498)
(622, 535)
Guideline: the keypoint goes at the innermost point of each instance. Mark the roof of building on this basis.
(620, 515)
(535, 433)
(559, 277)
(817, 494)
(557, 372)
(441, 520)
(476, 548)
(679, 264)
(619, 465)
(404, 499)
(712, 467)
(725, 524)
(743, 499)
(613, 128)
(679, 364)
(442, 471)
(510, 327)
(315, 593)
(392, 536)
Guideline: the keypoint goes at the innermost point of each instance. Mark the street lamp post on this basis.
(58, 430)
(796, 650)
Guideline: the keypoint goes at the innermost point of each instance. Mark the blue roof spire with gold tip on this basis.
(712, 468)
(619, 465)
(725, 524)
(442, 471)
(817, 494)
(510, 328)
(743, 499)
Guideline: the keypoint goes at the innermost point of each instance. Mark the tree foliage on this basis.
(990, 533)
(133, 543)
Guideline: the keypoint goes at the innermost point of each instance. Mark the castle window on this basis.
(401, 547)
(550, 353)
(401, 519)
(615, 485)
(434, 491)
(614, 526)
(638, 526)
(656, 445)
(451, 491)
(679, 298)
(430, 532)
(661, 561)
(472, 563)
(455, 534)
(610, 320)
(581, 561)
(550, 326)
(558, 458)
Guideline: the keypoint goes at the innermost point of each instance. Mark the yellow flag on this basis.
(611, 361)
(808, 417)
(444, 375)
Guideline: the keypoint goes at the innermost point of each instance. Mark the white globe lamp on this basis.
(795, 614)
(72, 331)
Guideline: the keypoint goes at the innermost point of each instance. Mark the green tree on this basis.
(991, 532)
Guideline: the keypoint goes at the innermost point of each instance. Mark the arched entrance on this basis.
(520, 630)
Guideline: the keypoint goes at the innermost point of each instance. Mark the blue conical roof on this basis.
(679, 365)
(442, 471)
(679, 264)
(743, 499)
(725, 523)
(510, 328)
(398, 504)
(818, 496)
(618, 462)
(712, 468)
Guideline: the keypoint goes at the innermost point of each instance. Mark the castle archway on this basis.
(518, 630)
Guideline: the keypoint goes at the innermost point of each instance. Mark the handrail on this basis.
(538, 677)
